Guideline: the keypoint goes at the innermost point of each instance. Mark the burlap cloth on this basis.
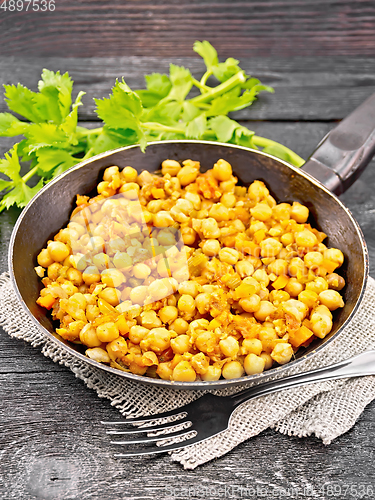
(325, 409)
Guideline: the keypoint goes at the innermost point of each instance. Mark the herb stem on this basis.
(162, 128)
(30, 174)
(220, 89)
(264, 142)
(200, 85)
(205, 77)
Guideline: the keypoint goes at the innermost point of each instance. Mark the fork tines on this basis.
(170, 430)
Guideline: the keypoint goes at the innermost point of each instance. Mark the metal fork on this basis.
(210, 415)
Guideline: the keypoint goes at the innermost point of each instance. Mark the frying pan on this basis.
(335, 164)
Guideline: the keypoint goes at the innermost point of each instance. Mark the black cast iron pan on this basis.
(336, 163)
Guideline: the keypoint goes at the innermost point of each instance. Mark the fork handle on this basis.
(357, 366)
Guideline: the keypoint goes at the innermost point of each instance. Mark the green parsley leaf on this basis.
(21, 100)
(223, 127)
(181, 80)
(196, 128)
(207, 52)
(10, 126)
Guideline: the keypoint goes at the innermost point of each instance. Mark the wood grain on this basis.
(306, 88)
(53, 448)
(86, 28)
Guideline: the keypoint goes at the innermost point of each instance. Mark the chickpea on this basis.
(229, 255)
(117, 348)
(219, 212)
(222, 170)
(101, 261)
(122, 260)
(98, 354)
(187, 175)
(189, 288)
(257, 190)
(317, 286)
(321, 321)
(309, 298)
(278, 267)
(157, 340)
(129, 174)
(138, 294)
(184, 372)
(111, 295)
(270, 247)
(58, 251)
(89, 337)
(261, 276)
(112, 277)
(209, 228)
(229, 347)
(265, 310)
(164, 371)
(331, 299)
(44, 258)
(261, 211)
(91, 275)
(335, 255)
(287, 239)
(267, 360)
(163, 219)
(107, 332)
(180, 344)
(251, 304)
(312, 259)
(53, 271)
(251, 346)
(232, 369)
(253, 364)
(282, 353)
(293, 287)
(150, 320)
(168, 314)
(137, 333)
(202, 302)
(213, 373)
(141, 271)
(74, 276)
(244, 268)
(211, 247)
(180, 326)
(335, 281)
(228, 200)
(299, 212)
(166, 238)
(186, 304)
(305, 238)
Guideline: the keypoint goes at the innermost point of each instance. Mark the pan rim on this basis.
(200, 385)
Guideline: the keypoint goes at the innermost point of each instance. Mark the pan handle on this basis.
(345, 151)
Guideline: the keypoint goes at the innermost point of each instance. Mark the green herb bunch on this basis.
(53, 140)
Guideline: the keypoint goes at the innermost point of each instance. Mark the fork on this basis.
(209, 415)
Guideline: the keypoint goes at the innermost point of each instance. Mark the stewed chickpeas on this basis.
(187, 276)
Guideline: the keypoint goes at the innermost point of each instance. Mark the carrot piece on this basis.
(280, 282)
(329, 265)
(47, 301)
(300, 336)
(259, 235)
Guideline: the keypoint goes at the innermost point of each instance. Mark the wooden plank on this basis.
(87, 28)
(306, 88)
(53, 447)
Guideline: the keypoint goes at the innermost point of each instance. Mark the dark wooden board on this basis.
(53, 448)
(87, 28)
(306, 88)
